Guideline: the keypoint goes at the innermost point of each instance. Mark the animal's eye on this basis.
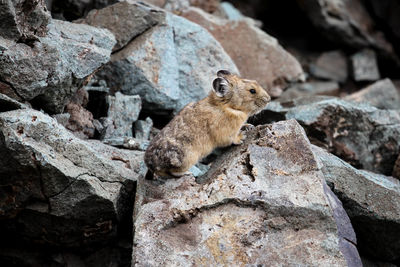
(253, 91)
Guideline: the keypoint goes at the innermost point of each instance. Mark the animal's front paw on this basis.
(247, 127)
(239, 139)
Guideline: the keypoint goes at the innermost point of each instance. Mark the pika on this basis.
(200, 127)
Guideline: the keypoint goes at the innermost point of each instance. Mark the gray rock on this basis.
(364, 136)
(365, 66)
(23, 20)
(128, 142)
(123, 111)
(76, 192)
(262, 203)
(169, 65)
(308, 89)
(381, 94)
(347, 23)
(331, 66)
(372, 202)
(230, 12)
(143, 128)
(50, 71)
(126, 20)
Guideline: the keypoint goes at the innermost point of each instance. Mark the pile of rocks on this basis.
(85, 85)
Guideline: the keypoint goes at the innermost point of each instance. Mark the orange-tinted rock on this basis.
(256, 54)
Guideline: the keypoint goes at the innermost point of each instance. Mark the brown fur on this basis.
(198, 128)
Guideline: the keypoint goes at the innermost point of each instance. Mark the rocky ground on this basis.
(86, 84)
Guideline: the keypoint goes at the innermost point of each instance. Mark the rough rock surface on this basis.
(381, 94)
(346, 22)
(169, 65)
(123, 111)
(331, 66)
(23, 20)
(372, 202)
(310, 88)
(365, 66)
(142, 128)
(133, 19)
(262, 202)
(49, 71)
(76, 192)
(364, 136)
(272, 70)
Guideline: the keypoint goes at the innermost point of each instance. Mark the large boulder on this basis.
(262, 203)
(57, 189)
(49, 71)
(372, 202)
(330, 65)
(364, 136)
(257, 55)
(381, 94)
(23, 20)
(133, 19)
(170, 65)
(347, 22)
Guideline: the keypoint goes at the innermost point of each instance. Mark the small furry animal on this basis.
(212, 122)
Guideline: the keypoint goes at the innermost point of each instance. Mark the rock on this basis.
(127, 142)
(230, 12)
(347, 23)
(245, 42)
(310, 88)
(141, 18)
(396, 168)
(372, 203)
(7, 104)
(23, 20)
(366, 137)
(80, 121)
(381, 94)
(123, 111)
(209, 6)
(365, 66)
(49, 72)
(169, 65)
(330, 66)
(243, 211)
(57, 189)
(143, 128)
(176, 6)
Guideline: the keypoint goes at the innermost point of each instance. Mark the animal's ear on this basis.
(221, 87)
(222, 73)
